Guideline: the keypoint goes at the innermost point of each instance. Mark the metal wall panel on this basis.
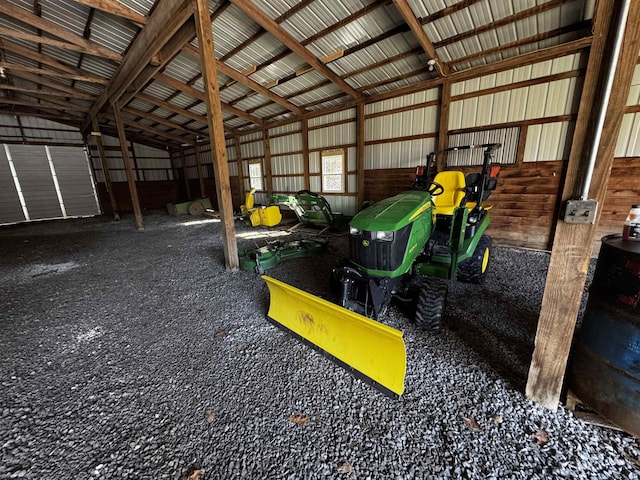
(75, 181)
(507, 137)
(10, 207)
(315, 183)
(288, 184)
(252, 150)
(287, 165)
(410, 122)
(314, 163)
(548, 142)
(403, 101)
(290, 127)
(405, 154)
(32, 168)
(286, 144)
(333, 136)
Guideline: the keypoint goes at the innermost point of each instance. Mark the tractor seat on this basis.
(454, 191)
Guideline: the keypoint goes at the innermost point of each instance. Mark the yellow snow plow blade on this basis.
(370, 350)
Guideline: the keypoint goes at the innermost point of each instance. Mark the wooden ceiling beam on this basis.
(116, 8)
(46, 91)
(49, 83)
(14, 67)
(585, 25)
(160, 120)
(451, 9)
(132, 123)
(286, 39)
(40, 113)
(89, 47)
(172, 108)
(260, 33)
(530, 58)
(407, 13)
(44, 104)
(31, 54)
(194, 92)
(501, 23)
(166, 19)
(247, 82)
(39, 40)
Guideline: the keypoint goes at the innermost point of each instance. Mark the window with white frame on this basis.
(255, 175)
(333, 171)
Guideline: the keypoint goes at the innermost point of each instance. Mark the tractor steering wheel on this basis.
(435, 189)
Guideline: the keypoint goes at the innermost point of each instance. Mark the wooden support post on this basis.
(443, 128)
(128, 167)
(139, 174)
(360, 140)
(572, 243)
(216, 132)
(267, 161)
(185, 174)
(236, 140)
(305, 153)
(203, 191)
(105, 168)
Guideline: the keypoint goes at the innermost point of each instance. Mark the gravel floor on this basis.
(128, 354)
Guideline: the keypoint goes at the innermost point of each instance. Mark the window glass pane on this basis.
(333, 172)
(255, 175)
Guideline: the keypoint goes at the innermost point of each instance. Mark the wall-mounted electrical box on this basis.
(580, 211)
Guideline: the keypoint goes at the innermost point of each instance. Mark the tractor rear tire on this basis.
(474, 269)
(432, 297)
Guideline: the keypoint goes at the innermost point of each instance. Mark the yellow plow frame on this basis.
(368, 349)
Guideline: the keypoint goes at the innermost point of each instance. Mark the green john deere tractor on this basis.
(401, 247)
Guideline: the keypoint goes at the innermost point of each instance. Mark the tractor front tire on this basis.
(432, 297)
(474, 269)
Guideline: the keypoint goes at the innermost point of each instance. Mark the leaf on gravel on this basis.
(498, 420)
(221, 334)
(345, 467)
(541, 437)
(299, 419)
(472, 423)
(634, 460)
(240, 347)
(209, 415)
(192, 474)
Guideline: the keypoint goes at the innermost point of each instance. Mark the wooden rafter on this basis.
(247, 82)
(407, 13)
(285, 38)
(35, 21)
(160, 120)
(198, 94)
(13, 67)
(500, 23)
(260, 33)
(116, 8)
(166, 19)
(45, 91)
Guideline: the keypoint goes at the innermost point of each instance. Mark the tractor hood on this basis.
(393, 213)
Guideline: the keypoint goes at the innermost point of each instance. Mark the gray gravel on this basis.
(128, 354)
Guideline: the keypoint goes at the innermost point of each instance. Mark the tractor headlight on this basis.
(355, 231)
(382, 236)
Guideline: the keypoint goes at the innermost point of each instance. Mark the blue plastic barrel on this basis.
(605, 369)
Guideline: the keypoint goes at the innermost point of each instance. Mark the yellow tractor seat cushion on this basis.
(454, 191)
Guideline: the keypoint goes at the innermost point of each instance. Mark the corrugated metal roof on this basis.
(372, 69)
